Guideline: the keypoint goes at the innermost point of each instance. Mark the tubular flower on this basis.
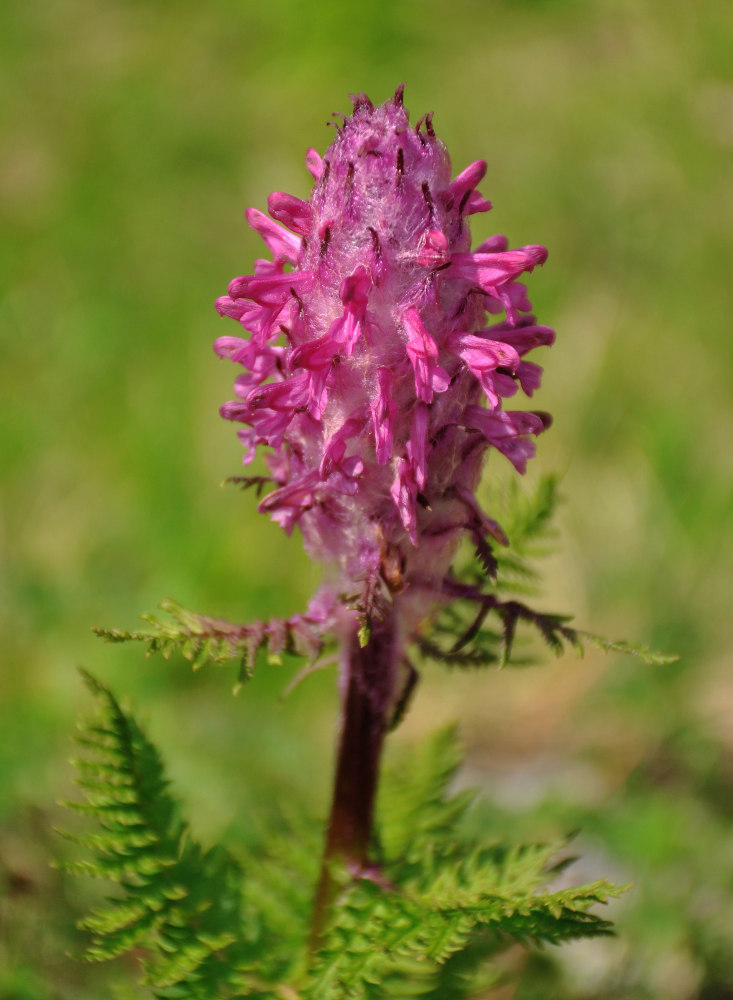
(369, 370)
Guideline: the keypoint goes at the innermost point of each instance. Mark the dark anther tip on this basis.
(400, 165)
(325, 240)
(361, 101)
(376, 245)
(399, 96)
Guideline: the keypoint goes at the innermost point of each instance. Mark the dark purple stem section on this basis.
(368, 696)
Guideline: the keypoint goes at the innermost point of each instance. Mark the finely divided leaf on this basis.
(180, 904)
(204, 640)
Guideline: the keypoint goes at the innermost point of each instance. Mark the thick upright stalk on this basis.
(368, 685)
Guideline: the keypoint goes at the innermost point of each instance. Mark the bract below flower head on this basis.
(370, 374)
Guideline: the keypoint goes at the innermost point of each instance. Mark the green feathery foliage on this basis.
(214, 929)
(181, 904)
(204, 640)
(477, 628)
(453, 904)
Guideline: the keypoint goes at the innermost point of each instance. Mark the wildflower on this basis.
(369, 370)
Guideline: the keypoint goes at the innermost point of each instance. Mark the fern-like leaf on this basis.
(179, 903)
(204, 640)
(451, 905)
(641, 652)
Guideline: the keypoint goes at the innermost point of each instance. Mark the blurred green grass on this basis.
(134, 135)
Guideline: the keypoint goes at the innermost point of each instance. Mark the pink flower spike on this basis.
(281, 242)
(364, 370)
(423, 353)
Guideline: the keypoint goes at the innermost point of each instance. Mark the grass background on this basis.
(134, 134)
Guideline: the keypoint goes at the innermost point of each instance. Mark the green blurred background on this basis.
(134, 133)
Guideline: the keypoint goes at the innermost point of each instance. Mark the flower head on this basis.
(369, 370)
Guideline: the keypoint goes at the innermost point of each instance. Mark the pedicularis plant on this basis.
(373, 377)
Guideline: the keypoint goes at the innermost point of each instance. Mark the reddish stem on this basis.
(368, 695)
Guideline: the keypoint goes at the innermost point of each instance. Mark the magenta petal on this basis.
(417, 446)
(494, 244)
(270, 290)
(507, 432)
(530, 376)
(522, 338)
(383, 412)
(404, 495)
(290, 394)
(504, 385)
(232, 348)
(491, 270)
(475, 203)
(316, 354)
(334, 448)
(227, 306)
(291, 211)
(423, 353)
(287, 504)
(278, 240)
(468, 179)
(355, 288)
(482, 354)
(314, 163)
